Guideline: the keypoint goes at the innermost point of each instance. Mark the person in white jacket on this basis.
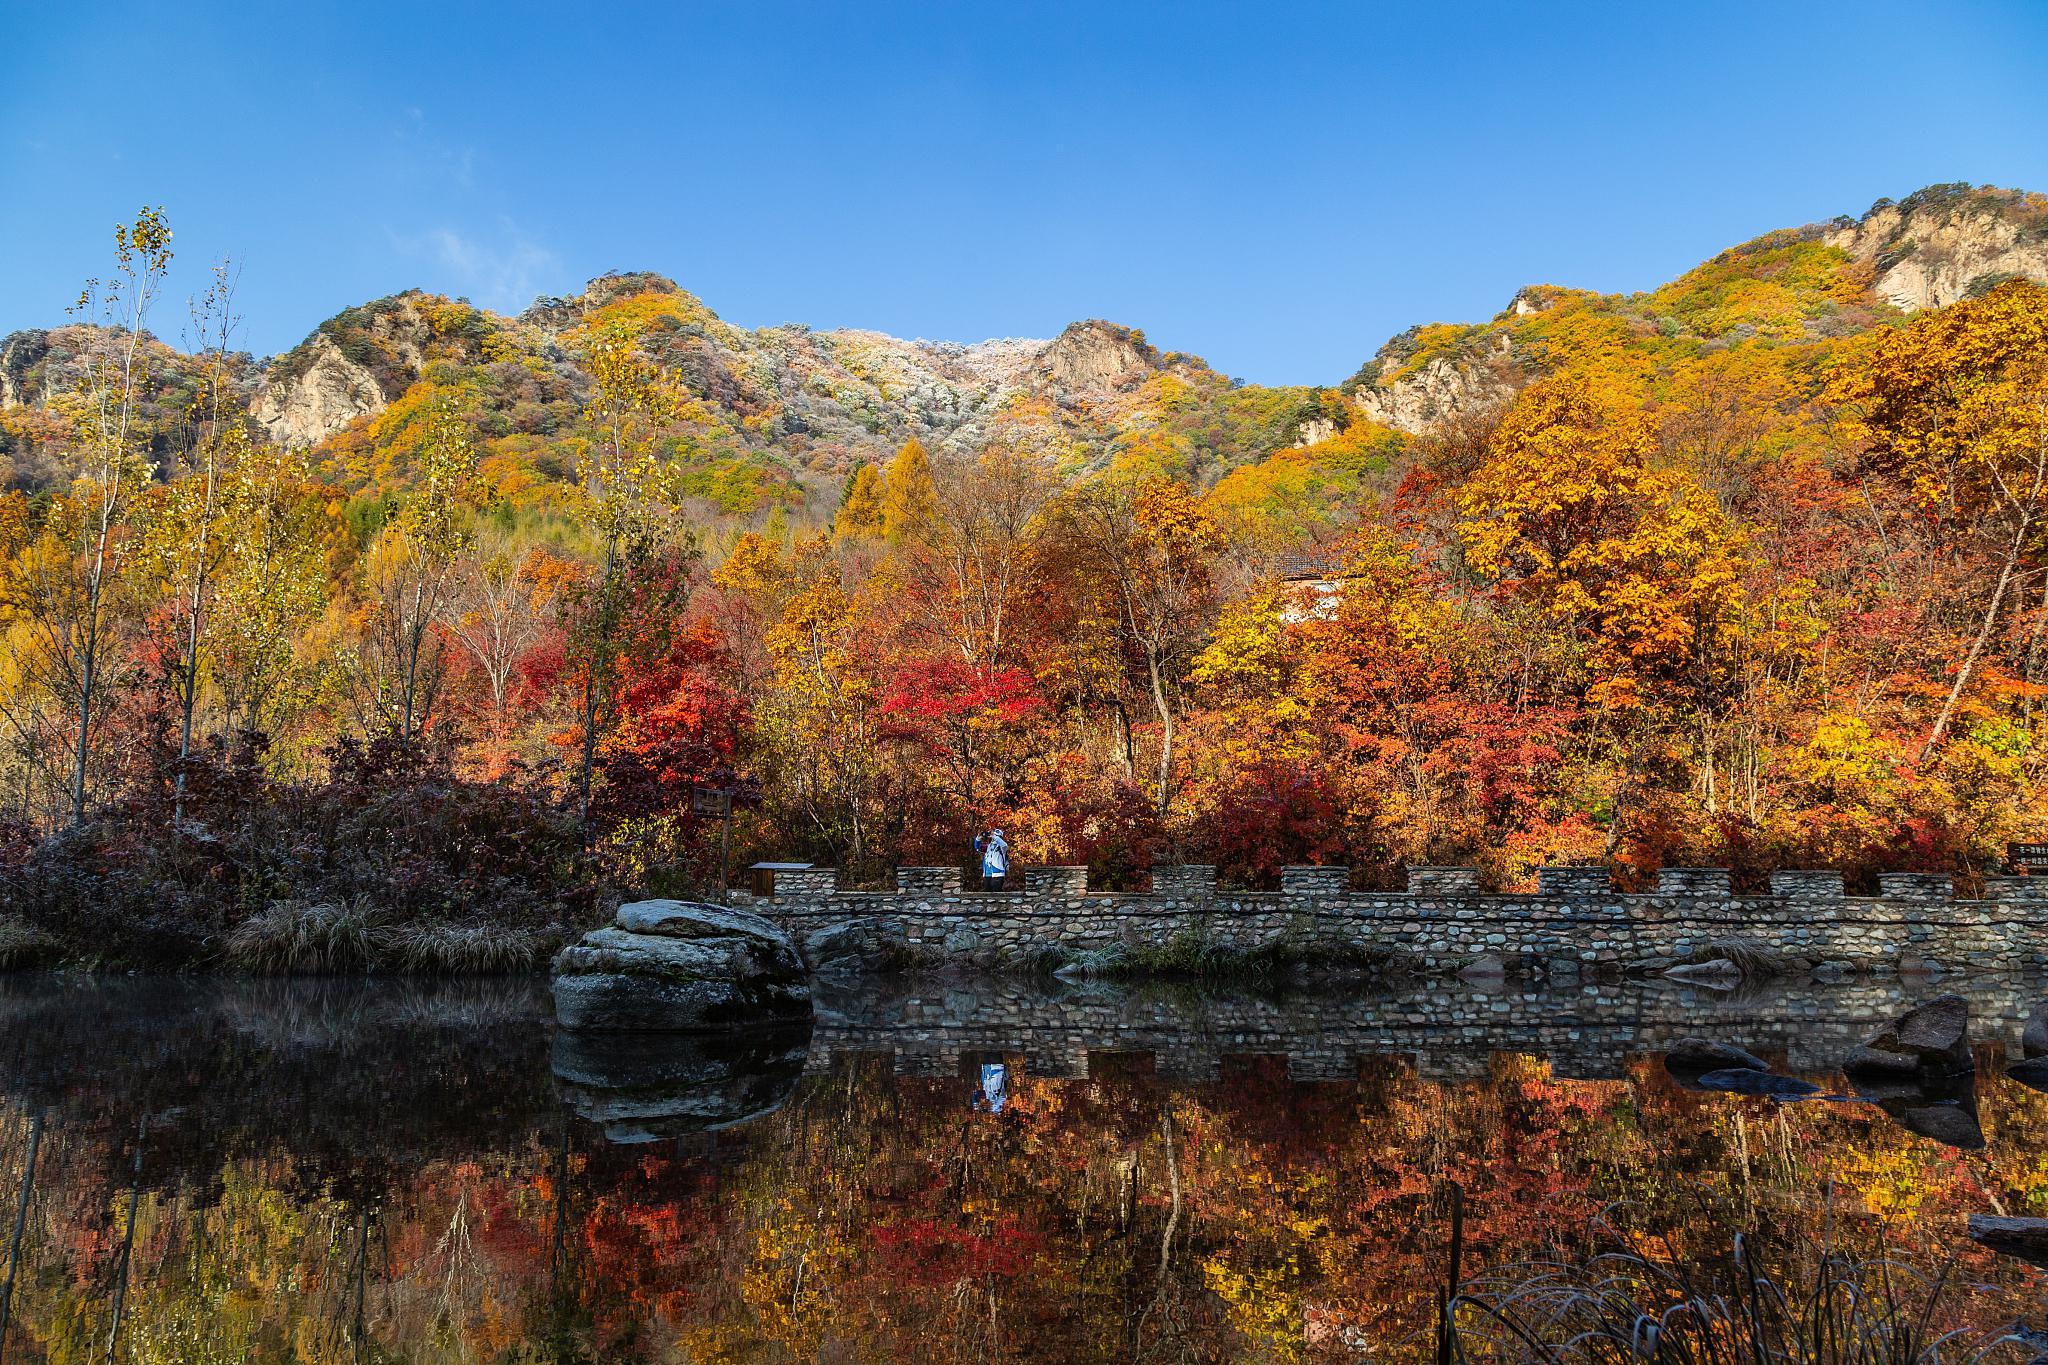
(995, 859)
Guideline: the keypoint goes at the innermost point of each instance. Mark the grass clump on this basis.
(23, 945)
(1755, 959)
(297, 938)
(1816, 1305)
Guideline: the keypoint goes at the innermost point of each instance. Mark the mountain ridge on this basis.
(793, 409)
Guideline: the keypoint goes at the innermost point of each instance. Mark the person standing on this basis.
(995, 859)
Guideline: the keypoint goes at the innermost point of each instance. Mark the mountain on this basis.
(789, 411)
(1797, 286)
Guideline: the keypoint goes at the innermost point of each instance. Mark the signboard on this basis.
(2027, 857)
(710, 801)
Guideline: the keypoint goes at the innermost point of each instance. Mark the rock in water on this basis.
(1488, 970)
(1930, 1040)
(1952, 1124)
(678, 967)
(1743, 1081)
(1689, 1055)
(852, 948)
(2026, 1238)
(641, 1087)
(2034, 1041)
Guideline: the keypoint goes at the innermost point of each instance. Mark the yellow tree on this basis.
(819, 721)
(631, 485)
(108, 469)
(1147, 547)
(1639, 566)
(412, 573)
(1955, 403)
(910, 501)
(860, 514)
(269, 589)
(192, 533)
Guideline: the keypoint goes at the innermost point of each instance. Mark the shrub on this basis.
(391, 861)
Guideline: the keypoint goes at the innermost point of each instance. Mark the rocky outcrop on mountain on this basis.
(359, 361)
(1098, 355)
(323, 396)
(1948, 242)
(19, 354)
(1442, 388)
(787, 411)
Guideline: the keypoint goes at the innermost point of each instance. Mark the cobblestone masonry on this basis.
(1587, 1031)
(1576, 922)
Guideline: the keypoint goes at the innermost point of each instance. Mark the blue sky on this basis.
(1277, 188)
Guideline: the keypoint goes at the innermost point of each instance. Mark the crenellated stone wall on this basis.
(1576, 921)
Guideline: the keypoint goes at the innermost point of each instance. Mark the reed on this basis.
(298, 938)
(1819, 1305)
(23, 945)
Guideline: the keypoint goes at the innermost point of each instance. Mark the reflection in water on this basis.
(334, 1171)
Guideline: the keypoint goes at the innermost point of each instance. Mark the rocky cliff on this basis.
(320, 398)
(1947, 243)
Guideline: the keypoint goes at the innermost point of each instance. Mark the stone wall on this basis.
(1576, 922)
(1447, 1029)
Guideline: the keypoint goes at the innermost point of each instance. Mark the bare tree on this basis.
(496, 610)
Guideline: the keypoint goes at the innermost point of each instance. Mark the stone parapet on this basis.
(928, 880)
(1443, 881)
(1315, 881)
(1916, 886)
(1574, 881)
(1195, 879)
(1056, 881)
(1574, 923)
(1807, 885)
(1693, 881)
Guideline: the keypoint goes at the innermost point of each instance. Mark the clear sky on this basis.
(1277, 188)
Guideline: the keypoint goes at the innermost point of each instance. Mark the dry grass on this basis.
(23, 945)
(468, 950)
(1825, 1306)
(296, 938)
(1757, 960)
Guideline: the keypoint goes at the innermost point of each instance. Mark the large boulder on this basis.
(1929, 1040)
(2034, 1040)
(853, 948)
(678, 967)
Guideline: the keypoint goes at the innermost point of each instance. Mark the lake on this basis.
(968, 1170)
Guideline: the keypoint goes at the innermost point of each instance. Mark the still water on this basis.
(356, 1171)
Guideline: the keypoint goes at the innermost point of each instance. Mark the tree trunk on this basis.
(1165, 730)
(1969, 665)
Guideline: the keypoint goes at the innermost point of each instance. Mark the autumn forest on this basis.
(443, 615)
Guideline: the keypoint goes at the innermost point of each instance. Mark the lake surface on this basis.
(355, 1171)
